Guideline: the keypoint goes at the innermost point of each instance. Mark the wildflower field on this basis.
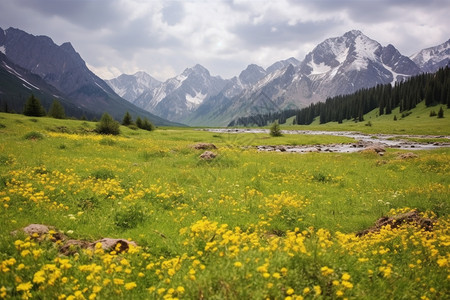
(245, 225)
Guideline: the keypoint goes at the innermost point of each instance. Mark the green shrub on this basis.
(108, 125)
(33, 135)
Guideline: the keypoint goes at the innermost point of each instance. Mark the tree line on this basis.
(433, 88)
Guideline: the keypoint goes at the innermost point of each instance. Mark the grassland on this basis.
(417, 122)
(246, 225)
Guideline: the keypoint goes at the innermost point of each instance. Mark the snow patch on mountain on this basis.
(26, 83)
(197, 99)
(3, 49)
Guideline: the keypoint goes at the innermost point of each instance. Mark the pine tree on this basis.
(57, 110)
(440, 113)
(275, 129)
(139, 122)
(127, 119)
(33, 107)
(147, 125)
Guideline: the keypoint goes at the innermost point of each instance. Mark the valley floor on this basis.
(247, 224)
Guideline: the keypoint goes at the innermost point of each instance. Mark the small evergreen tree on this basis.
(127, 119)
(440, 113)
(395, 117)
(147, 125)
(275, 129)
(108, 125)
(33, 107)
(57, 110)
(139, 122)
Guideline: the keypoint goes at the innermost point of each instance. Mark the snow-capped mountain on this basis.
(179, 96)
(433, 58)
(130, 87)
(338, 65)
(342, 65)
(283, 64)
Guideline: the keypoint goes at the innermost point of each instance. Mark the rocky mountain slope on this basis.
(433, 58)
(64, 69)
(130, 87)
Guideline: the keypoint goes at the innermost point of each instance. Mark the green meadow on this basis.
(245, 225)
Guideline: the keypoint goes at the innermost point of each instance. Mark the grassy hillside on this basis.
(417, 122)
(245, 225)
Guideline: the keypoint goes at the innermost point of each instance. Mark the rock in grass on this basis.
(407, 155)
(208, 155)
(204, 146)
(41, 231)
(119, 245)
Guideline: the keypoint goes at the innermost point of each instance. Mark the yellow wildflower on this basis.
(130, 285)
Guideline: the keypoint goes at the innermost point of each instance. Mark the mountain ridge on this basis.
(64, 69)
(338, 65)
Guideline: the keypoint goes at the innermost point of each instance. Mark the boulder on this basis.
(119, 245)
(407, 155)
(204, 146)
(208, 155)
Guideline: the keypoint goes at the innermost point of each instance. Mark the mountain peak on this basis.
(353, 33)
(252, 74)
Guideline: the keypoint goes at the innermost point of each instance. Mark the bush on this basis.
(108, 125)
(34, 135)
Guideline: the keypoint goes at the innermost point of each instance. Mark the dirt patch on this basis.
(412, 217)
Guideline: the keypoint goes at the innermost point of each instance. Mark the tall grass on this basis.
(246, 225)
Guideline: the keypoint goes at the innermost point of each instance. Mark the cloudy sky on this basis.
(165, 37)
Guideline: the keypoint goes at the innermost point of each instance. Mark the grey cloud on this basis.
(87, 14)
(372, 11)
(173, 13)
(139, 34)
(281, 34)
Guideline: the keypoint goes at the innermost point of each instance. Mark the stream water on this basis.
(362, 141)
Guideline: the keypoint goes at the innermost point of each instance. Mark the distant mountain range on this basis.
(34, 64)
(339, 65)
